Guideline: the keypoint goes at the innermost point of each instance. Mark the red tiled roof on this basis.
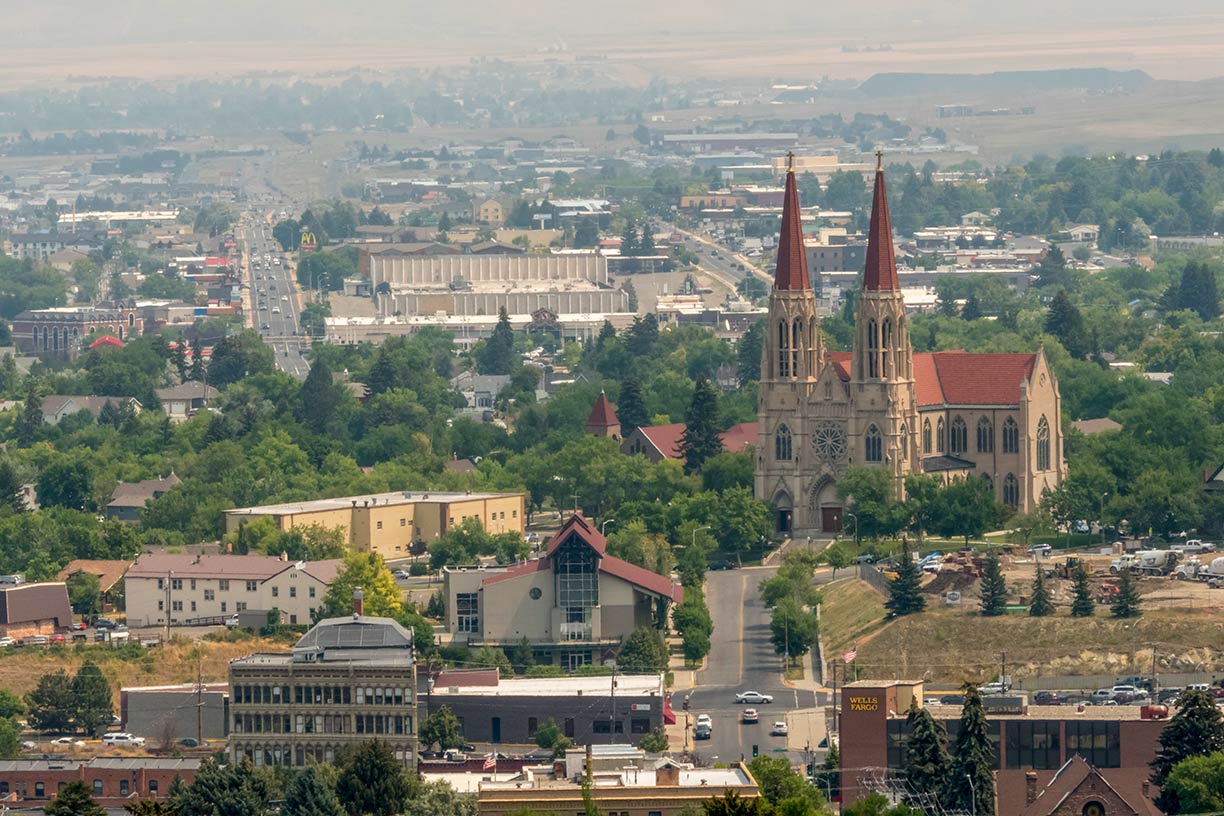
(517, 571)
(791, 273)
(666, 438)
(602, 415)
(738, 437)
(579, 525)
(107, 340)
(880, 273)
(981, 379)
(961, 378)
(642, 578)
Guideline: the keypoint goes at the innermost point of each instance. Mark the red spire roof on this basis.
(880, 274)
(602, 415)
(791, 273)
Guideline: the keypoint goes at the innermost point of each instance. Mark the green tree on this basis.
(927, 762)
(370, 573)
(654, 742)
(523, 657)
(629, 240)
(91, 700)
(67, 481)
(905, 591)
(320, 399)
(1082, 604)
(11, 706)
(10, 738)
(74, 799)
(1065, 322)
(440, 799)
(748, 353)
(701, 439)
(197, 373)
(496, 356)
(151, 807)
(837, 558)
(970, 785)
(1195, 730)
(631, 408)
(828, 776)
(1195, 785)
(1052, 271)
(550, 738)
(50, 702)
(869, 490)
(1041, 604)
(642, 652)
(30, 421)
(237, 356)
(732, 804)
(993, 588)
(966, 507)
(779, 785)
(233, 789)
(373, 782)
(312, 793)
(1126, 605)
(441, 728)
(1196, 290)
(12, 487)
(793, 629)
(691, 618)
(84, 593)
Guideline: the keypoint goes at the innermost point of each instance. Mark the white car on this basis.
(7, 641)
(779, 729)
(704, 719)
(754, 697)
(121, 738)
(750, 715)
(75, 743)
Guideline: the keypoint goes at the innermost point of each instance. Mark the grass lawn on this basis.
(849, 609)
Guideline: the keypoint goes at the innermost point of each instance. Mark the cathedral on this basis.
(950, 413)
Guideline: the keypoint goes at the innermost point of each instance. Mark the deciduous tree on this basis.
(441, 728)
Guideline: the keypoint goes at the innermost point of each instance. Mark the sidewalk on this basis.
(684, 679)
(805, 729)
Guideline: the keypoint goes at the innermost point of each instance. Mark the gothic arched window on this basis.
(1011, 436)
(873, 349)
(926, 436)
(1011, 491)
(783, 350)
(874, 443)
(782, 444)
(1043, 444)
(985, 436)
(959, 440)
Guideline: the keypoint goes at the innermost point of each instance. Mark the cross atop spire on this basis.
(791, 273)
(880, 273)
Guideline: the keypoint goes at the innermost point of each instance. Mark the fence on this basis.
(1092, 682)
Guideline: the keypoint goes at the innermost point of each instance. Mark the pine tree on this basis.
(828, 778)
(1082, 605)
(74, 799)
(1041, 605)
(631, 408)
(50, 702)
(497, 355)
(700, 439)
(904, 595)
(629, 243)
(606, 333)
(319, 399)
(647, 245)
(1065, 322)
(1126, 605)
(311, 794)
(1196, 290)
(993, 588)
(180, 359)
(12, 489)
(374, 782)
(643, 335)
(197, 372)
(927, 761)
(523, 657)
(748, 354)
(1197, 729)
(970, 785)
(29, 421)
(91, 700)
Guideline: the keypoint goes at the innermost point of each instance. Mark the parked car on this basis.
(1039, 549)
(952, 699)
(1101, 694)
(7, 641)
(35, 640)
(1082, 527)
(79, 626)
(69, 741)
(104, 623)
(1138, 681)
(400, 575)
(1049, 698)
(705, 727)
(992, 688)
(122, 738)
(779, 729)
(189, 742)
(754, 697)
(751, 715)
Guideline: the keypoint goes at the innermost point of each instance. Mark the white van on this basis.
(122, 738)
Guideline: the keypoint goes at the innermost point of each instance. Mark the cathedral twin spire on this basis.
(880, 273)
(791, 273)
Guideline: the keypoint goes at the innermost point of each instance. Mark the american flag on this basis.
(490, 762)
(849, 656)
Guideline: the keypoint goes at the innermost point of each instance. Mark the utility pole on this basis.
(199, 698)
(168, 574)
(1003, 671)
(612, 718)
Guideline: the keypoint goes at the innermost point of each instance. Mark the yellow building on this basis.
(391, 523)
(490, 212)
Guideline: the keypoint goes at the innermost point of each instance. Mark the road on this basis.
(276, 312)
(741, 659)
(720, 262)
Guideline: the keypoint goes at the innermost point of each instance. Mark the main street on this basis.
(275, 309)
(741, 659)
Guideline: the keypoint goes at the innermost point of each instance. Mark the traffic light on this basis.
(811, 769)
(755, 750)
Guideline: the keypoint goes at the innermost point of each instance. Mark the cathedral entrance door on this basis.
(784, 521)
(830, 519)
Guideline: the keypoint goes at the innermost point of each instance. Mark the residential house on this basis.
(1084, 233)
(34, 609)
(109, 572)
(57, 406)
(199, 589)
(180, 402)
(659, 442)
(479, 390)
(128, 499)
(1080, 789)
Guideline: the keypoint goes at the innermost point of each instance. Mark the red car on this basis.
(58, 639)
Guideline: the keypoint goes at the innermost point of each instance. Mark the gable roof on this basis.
(960, 377)
(54, 404)
(190, 390)
(738, 437)
(242, 567)
(791, 273)
(578, 525)
(665, 438)
(135, 494)
(1074, 773)
(109, 572)
(602, 415)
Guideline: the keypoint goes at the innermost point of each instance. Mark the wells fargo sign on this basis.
(864, 703)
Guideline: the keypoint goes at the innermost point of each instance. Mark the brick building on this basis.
(115, 781)
(63, 330)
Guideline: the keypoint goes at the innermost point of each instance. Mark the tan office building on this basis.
(348, 680)
(624, 781)
(391, 523)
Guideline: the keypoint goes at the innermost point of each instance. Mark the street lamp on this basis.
(856, 526)
(604, 527)
(972, 794)
(1101, 517)
(693, 541)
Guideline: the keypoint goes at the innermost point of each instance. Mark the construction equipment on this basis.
(1195, 570)
(1107, 593)
(1067, 569)
(1148, 562)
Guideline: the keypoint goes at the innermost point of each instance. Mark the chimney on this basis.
(1147, 789)
(1030, 787)
(284, 555)
(358, 603)
(668, 776)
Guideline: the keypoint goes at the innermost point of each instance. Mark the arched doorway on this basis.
(784, 512)
(825, 506)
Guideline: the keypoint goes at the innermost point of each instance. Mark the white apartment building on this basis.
(202, 589)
